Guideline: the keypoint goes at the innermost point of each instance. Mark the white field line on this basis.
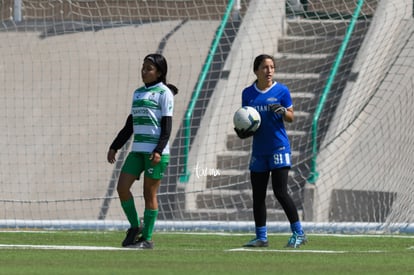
(229, 234)
(61, 247)
(301, 251)
(106, 248)
(109, 248)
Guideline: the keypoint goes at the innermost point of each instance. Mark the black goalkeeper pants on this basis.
(259, 182)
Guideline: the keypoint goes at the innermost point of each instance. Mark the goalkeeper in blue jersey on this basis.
(150, 124)
(271, 154)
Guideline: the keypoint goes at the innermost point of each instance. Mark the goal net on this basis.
(68, 70)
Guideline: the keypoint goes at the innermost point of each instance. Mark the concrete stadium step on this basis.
(301, 82)
(303, 121)
(228, 199)
(234, 143)
(298, 75)
(309, 45)
(233, 160)
(230, 179)
(300, 98)
(338, 28)
(323, 7)
(302, 63)
(233, 180)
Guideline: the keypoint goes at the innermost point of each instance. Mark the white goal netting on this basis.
(68, 69)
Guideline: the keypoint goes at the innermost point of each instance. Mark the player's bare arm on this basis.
(289, 116)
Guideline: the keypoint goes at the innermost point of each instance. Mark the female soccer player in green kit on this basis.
(150, 123)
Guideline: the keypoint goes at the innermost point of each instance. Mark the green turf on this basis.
(183, 253)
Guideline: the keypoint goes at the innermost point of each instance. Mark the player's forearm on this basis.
(123, 135)
(289, 116)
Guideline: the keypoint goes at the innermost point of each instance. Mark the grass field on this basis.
(90, 252)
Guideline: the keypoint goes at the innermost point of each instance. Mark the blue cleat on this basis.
(296, 240)
(257, 243)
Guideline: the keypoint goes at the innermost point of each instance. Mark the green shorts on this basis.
(136, 162)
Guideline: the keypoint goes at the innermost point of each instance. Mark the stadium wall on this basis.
(85, 81)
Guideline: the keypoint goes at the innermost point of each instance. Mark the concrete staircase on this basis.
(303, 61)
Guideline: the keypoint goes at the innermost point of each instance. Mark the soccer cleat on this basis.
(142, 244)
(132, 235)
(296, 240)
(257, 243)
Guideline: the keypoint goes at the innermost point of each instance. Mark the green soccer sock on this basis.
(131, 212)
(150, 216)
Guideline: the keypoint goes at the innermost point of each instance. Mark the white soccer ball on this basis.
(246, 118)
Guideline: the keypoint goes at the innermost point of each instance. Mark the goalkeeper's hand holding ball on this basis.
(241, 133)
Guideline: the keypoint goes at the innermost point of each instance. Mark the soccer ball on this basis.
(246, 118)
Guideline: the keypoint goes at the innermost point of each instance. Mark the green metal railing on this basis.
(187, 119)
(314, 173)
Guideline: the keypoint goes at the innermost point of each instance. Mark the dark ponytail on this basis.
(173, 89)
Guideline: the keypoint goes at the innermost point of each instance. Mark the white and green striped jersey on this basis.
(149, 105)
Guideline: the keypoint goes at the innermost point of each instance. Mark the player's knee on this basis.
(282, 197)
(123, 192)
